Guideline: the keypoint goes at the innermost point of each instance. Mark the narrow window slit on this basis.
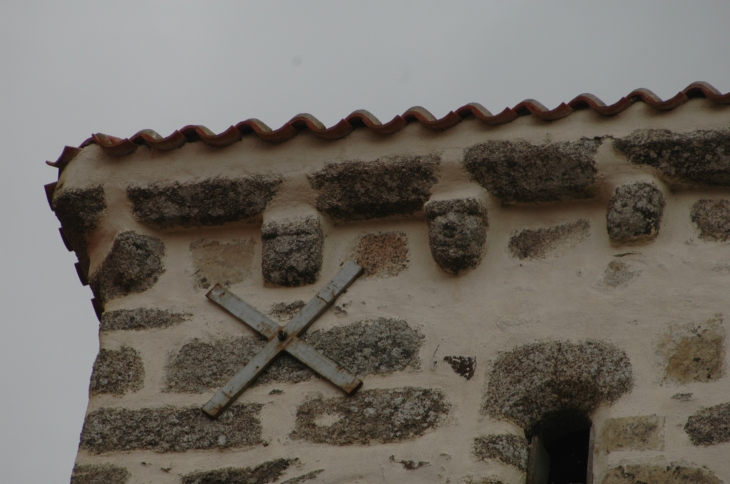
(560, 449)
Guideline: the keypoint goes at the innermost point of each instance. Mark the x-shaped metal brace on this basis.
(284, 338)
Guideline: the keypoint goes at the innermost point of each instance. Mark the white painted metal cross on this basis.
(284, 339)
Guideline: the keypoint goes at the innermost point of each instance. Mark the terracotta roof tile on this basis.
(119, 147)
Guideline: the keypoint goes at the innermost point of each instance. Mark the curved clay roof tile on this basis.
(120, 147)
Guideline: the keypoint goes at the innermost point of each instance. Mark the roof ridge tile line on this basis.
(119, 147)
(705, 89)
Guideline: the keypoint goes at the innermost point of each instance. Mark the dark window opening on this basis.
(560, 449)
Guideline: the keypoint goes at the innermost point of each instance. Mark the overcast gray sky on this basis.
(68, 69)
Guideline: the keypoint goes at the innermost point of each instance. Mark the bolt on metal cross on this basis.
(284, 338)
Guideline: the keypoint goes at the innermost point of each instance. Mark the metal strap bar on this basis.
(324, 299)
(243, 379)
(284, 339)
(243, 311)
(324, 366)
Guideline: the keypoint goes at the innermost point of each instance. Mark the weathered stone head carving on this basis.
(457, 233)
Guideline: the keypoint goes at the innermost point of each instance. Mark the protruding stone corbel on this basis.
(457, 233)
(292, 251)
(634, 213)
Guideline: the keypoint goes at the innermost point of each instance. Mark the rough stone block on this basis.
(693, 352)
(262, 474)
(457, 233)
(202, 366)
(99, 474)
(673, 473)
(133, 264)
(462, 365)
(140, 318)
(382, 254)
(634, 213)
(539, 243)
(292, 251)
(712, 218)
(355, 190)
(79, 212)
(170, 429)
(371, 416)
(517, 171)
(536, 380)
(700, 157)
(117, 372)
(506, 448)
(379, 347)
(618, 274)
(709, 426)
(373, 347)
(222, 263)
(215, 201)
(633, 433)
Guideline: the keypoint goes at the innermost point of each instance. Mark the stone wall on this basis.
(513, 276)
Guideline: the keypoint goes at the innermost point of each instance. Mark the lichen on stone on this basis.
(709, 426)
(380, 346)
(535, 380)
(673, 473)
(457, 233)
(140, 319)
(99, 474)
(170, 429)
(634, 213)
(539, 243)
(79, 211)
(633, 433)
(383, 254)
(261, 474)
(699, 157)
(223, 263)
(117, 372)
(133, 265)
(618, 274)
(214, 201)
(693, 352)
(506, 448)
(712, 218)
(285, 311)
(292, 251)
(201, 366)
(356, 190)
(372, 416)
(518, 171)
